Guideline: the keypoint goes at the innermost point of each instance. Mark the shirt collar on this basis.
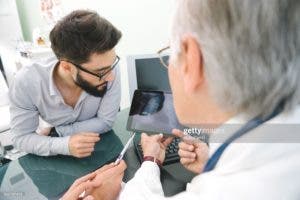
(52, 87)
(226, 130)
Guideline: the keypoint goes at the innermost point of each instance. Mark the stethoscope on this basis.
(252, 124)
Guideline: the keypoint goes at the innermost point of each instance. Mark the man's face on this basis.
(97, 91)
(90, 83)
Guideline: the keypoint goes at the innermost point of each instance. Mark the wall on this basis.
(144, 25)
(10, 29)
(10, 33)
(30, 16)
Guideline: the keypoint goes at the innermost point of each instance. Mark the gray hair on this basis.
(251, 50)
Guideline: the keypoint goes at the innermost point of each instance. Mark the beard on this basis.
(90, 89)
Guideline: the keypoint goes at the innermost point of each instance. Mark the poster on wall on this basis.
(51, 10)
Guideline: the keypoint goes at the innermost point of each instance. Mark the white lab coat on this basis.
(245, 171)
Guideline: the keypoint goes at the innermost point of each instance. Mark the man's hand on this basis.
(104, 184)
(81, 185)
(110, 178)
(82, 144)
(155, 145)
(193, 153)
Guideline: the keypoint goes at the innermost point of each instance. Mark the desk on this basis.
(34, 177)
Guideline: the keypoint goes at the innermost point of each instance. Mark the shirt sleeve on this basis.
(106, 115)
(233, 179)
(146, 185)
(24, 122)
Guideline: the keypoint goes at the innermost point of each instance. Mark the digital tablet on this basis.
(152, 112)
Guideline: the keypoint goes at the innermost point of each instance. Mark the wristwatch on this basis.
(153, 159)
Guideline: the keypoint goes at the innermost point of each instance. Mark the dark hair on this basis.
(82, 33)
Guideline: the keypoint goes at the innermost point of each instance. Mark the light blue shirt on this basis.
(33, 94)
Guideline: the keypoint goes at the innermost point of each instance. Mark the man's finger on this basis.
(191, 140)
(186, 147)
(88, 139)
(144, 136)
(167, 141)
(90, 134)
(79, 189)
(86, 145)
(83, 155)
(186, 161)
(156, 137)
(89, 197)
(86, 150)
(89, 176)
(121, 166)
(177, 133)
(186, 154)
(104, 168)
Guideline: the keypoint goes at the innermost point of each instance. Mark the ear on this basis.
(192, 65)
(67, 67)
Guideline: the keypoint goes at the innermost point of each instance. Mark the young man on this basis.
(78, 93)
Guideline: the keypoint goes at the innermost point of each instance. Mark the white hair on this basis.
(251, 50)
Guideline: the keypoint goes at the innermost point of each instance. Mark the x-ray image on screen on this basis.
(152, 112)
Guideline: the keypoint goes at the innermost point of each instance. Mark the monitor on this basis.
(145, 72)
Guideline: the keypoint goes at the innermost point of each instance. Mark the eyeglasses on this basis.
(164, 56)
(103, 72)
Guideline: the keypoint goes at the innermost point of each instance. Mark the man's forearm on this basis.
(42, 145)
(96, 125)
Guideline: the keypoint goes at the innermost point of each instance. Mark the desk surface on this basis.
(35, 177)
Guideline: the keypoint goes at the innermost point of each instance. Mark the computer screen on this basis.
(146, 72)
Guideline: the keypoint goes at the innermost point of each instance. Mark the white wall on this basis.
(144, 24)
(10, 29)
(10, 32)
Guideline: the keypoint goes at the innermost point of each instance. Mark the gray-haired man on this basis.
(232, 62)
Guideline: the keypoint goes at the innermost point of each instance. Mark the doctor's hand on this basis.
(110, 179)
(82, 144)
(81, 185)
(193, 152)
(155, 145)
(104, 184)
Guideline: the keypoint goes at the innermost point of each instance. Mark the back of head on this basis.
(82, 33)
(251, 50)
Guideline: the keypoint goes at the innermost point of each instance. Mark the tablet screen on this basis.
(152, 112)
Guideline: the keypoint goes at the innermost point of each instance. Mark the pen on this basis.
(121, 155)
